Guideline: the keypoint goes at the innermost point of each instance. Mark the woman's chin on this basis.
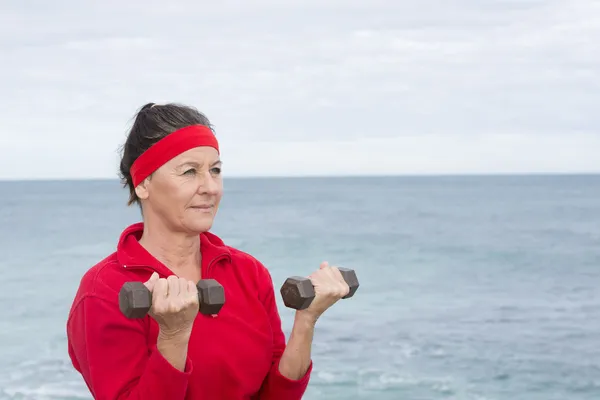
(200, 223)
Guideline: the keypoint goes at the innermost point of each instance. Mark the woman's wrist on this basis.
(305, 320)
(174, 348)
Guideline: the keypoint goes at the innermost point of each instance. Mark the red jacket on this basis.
(232, 356)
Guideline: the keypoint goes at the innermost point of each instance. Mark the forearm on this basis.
(296, 357)
(174, 349)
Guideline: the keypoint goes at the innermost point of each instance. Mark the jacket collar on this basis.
(130, 253)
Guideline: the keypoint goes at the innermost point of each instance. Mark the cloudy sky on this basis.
(306, 87)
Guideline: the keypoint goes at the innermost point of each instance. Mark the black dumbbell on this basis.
(135, 299)
(298, 292)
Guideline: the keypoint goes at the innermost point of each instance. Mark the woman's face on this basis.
(185, 192)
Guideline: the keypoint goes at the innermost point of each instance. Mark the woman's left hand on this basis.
(330, 287)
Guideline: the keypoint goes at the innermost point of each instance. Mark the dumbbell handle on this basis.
(298, 292)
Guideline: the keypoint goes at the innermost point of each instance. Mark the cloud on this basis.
(306, 72)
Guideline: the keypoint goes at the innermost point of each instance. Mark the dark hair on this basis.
(152, 123)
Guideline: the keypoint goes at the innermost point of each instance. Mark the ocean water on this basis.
(472, 288)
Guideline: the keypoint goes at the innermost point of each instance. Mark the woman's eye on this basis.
(216, 170)
(190, 171)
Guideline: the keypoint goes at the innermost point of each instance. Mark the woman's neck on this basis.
(180, 252)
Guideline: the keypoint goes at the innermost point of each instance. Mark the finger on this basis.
(161, 289)
(336, 281)
(183, 287)
(192, 289)
(345, 288)
(337, 274)
(329, 272)
(192, 292)
(173, 282)
(152, 281)
(324, 264)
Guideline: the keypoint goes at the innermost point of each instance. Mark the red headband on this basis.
(169, 147)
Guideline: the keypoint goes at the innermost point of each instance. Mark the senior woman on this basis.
(171, 164)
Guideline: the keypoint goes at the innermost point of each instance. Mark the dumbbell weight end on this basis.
(135, 300)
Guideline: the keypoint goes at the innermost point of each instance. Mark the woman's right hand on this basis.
(174, 305)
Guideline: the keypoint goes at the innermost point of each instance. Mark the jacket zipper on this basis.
(141, 266)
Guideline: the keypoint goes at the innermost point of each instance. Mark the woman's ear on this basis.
(141, 190)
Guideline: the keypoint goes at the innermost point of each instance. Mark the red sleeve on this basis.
(112, 355)
(277, 386)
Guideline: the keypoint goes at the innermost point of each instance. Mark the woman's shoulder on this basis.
(104, 279)
(218, 245)
(240, 258)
